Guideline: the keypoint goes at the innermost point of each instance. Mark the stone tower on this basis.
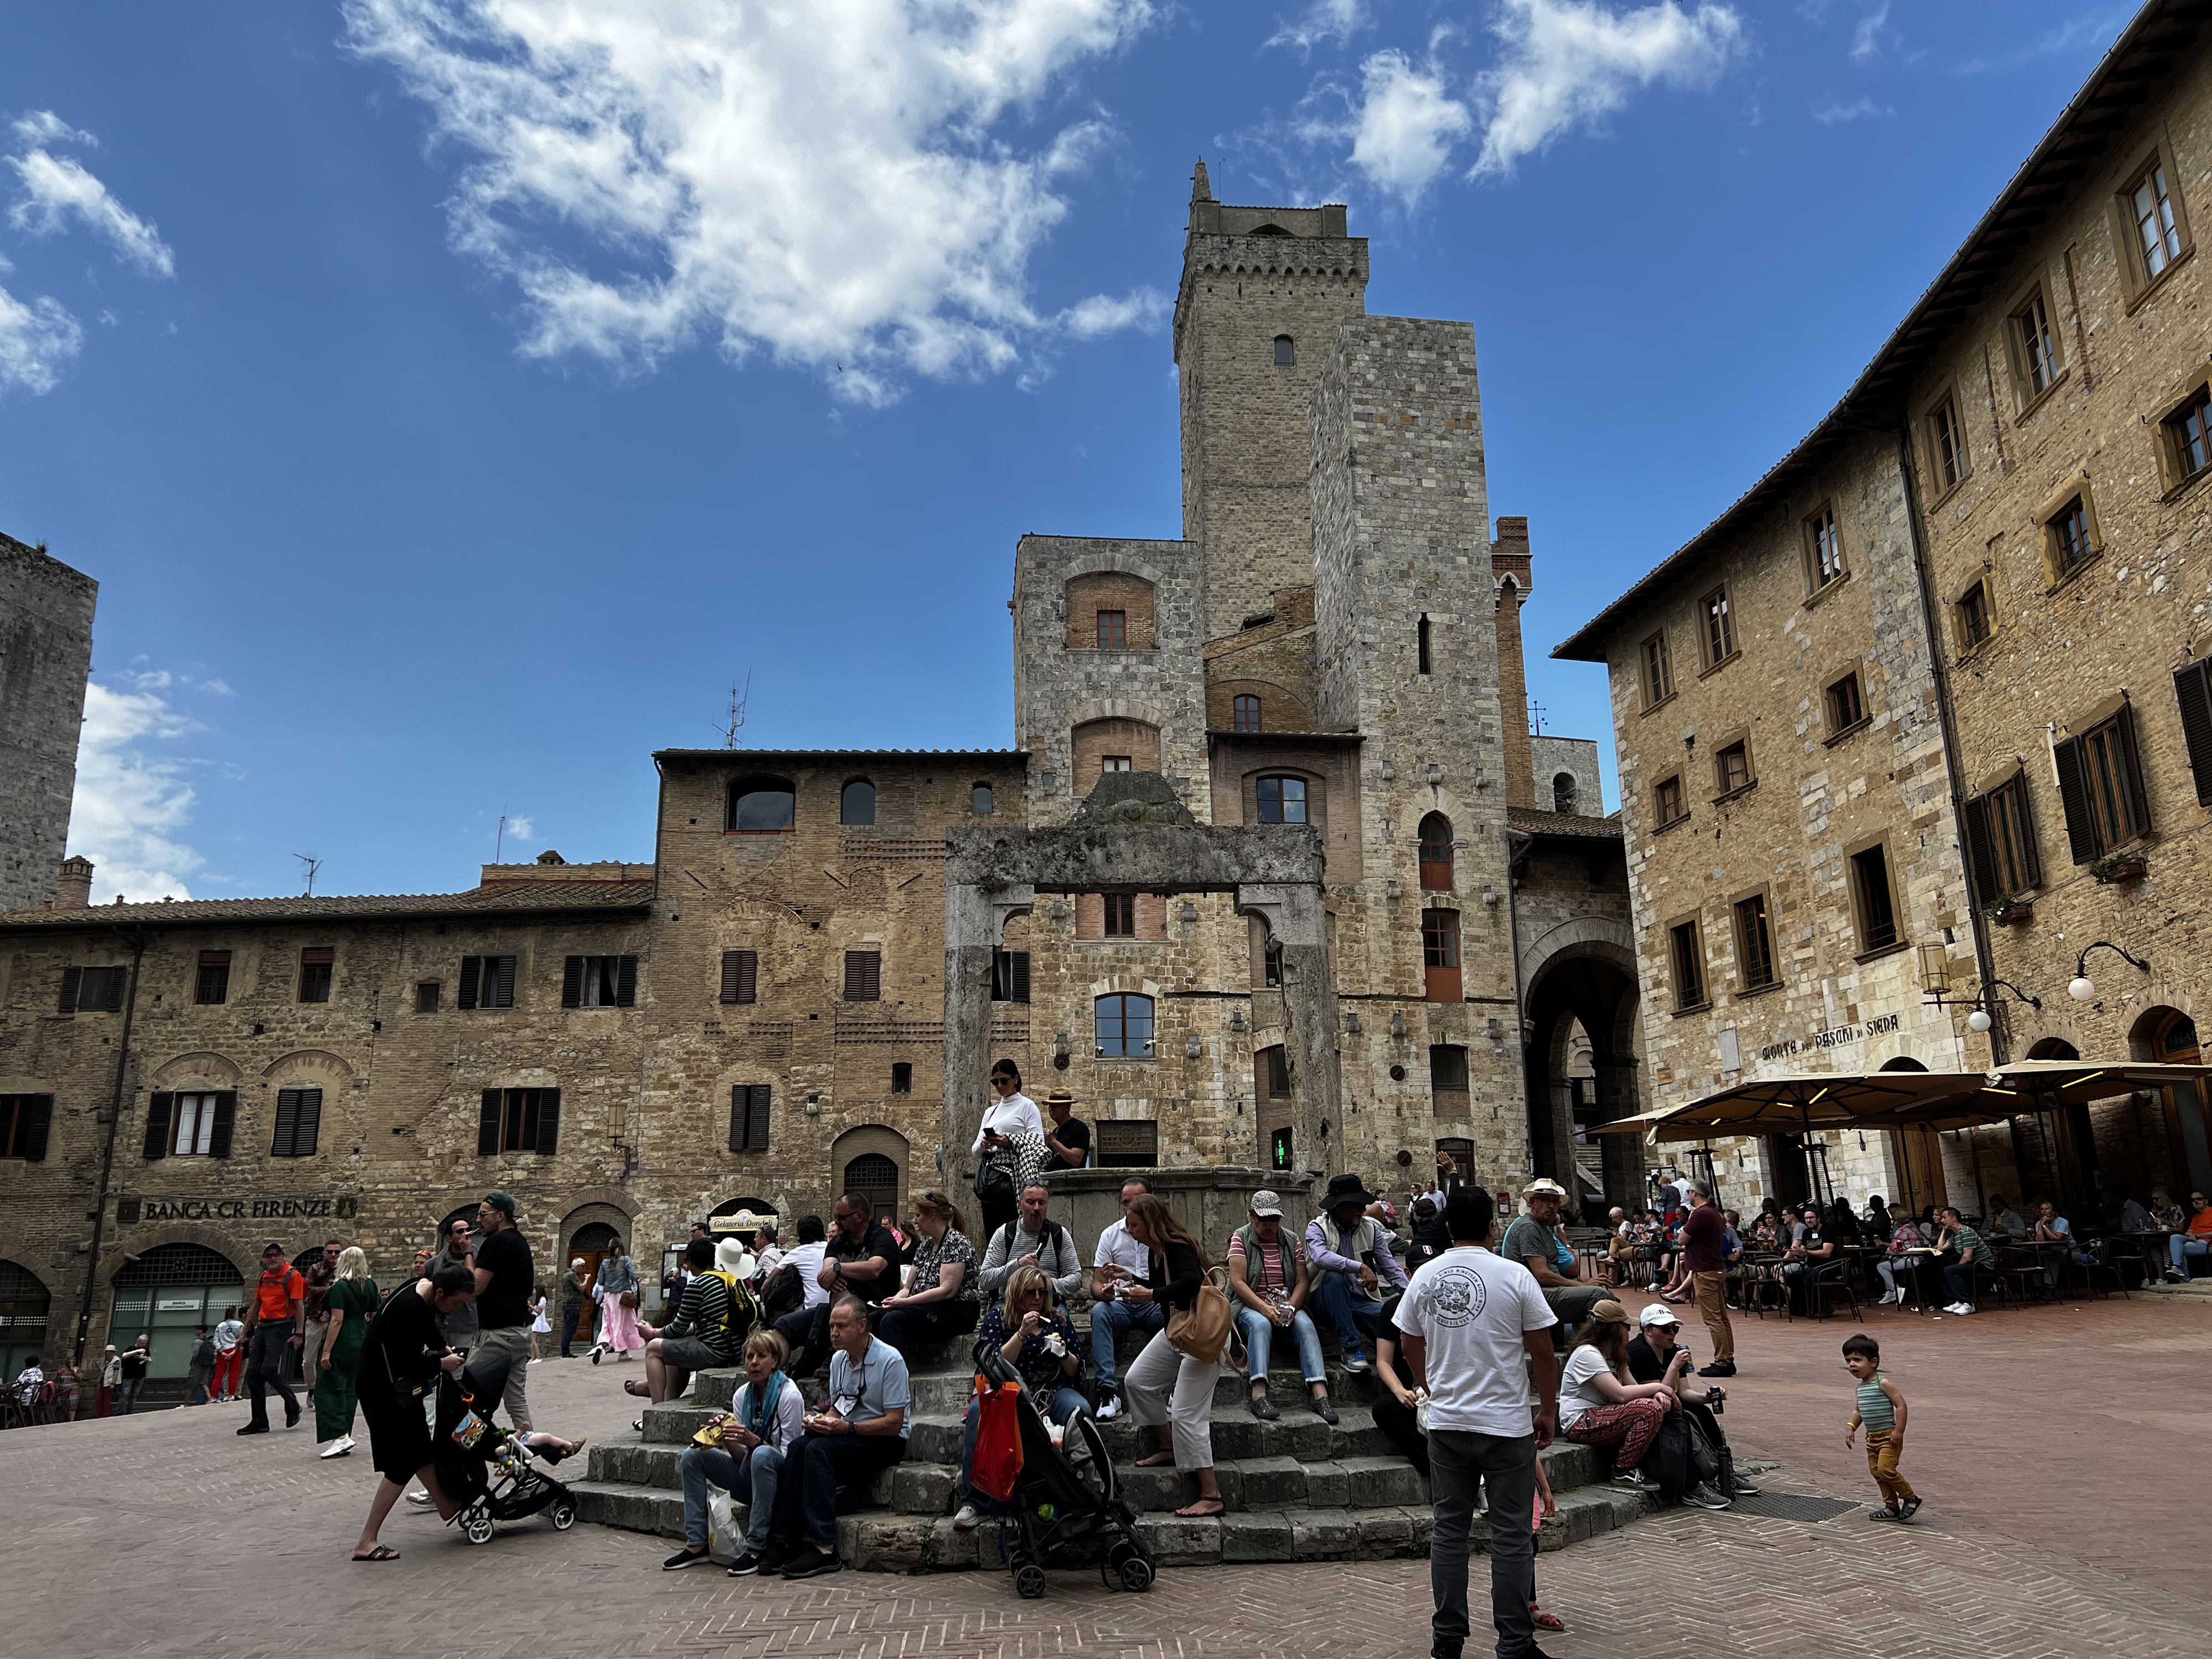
(46, 652)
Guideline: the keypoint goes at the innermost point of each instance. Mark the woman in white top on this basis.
(1600, 1404)
(1011, 1138)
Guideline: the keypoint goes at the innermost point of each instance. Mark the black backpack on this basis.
(782, 1294)
(1058, 1233)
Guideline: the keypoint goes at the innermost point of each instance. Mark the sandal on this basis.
(1544, 1621)
(1158, 1460)
(1192, 1512)
(636, 1386)
(381, 1553)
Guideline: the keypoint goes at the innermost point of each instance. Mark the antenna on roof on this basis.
(1536, 718)
(738, 701)
(313, 864)
(499, 841)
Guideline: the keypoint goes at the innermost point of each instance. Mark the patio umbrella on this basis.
(2036, 1084)
(1807, 1102)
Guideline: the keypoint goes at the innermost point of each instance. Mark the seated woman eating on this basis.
(1038, 1340)
(1600, 1406)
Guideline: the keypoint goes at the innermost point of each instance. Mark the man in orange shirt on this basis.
(275, 1318)
(2197, 1240)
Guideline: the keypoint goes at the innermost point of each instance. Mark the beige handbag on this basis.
(1202, 1330)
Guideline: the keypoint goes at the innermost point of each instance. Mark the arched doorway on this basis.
(2055, 1150)
(875, 1178)
(871, 1161)
(167, 1293)
(1580, 1060)
(25, 1302)
(723, 1224)
(2183, 1163)
(1916, 1158)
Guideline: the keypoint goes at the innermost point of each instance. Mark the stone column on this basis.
(975, 924)
(1294, 915)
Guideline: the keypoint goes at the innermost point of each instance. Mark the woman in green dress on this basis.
(352, 1303)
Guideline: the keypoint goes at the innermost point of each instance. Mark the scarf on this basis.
(761, 1404)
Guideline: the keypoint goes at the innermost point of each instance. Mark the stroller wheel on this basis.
(562, 1514)
(1029, 1581)
(1136, 1575)
(477, 1529)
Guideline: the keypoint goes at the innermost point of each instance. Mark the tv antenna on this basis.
(313, 864)
(738, 701)
(1536, 718)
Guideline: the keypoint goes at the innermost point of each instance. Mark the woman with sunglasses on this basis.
(939, 1301)
(1011, 1139)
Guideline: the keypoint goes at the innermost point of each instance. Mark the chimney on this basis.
(74, 891)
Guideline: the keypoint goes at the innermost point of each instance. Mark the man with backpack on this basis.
(1032, 1238)
(708, 1328)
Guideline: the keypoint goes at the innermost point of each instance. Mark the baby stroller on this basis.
(490, 1473)
(1064, 1497)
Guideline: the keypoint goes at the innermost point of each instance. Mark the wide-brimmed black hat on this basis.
(1346, 1189)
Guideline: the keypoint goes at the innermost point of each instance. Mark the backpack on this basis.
(1062, 1243)
(782, 1294)
(743, 1309)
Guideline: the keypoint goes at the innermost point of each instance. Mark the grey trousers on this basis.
(513, 1341)
(1460, 1461)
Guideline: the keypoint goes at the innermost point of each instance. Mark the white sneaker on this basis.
(418, 1496)
(337, 1448)
(1963, 1309)
(967, 1520)
(1886, 1298)
(1110, 1408)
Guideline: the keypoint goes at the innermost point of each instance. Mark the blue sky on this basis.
(449, 412)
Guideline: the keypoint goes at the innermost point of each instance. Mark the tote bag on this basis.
(1202, 1329)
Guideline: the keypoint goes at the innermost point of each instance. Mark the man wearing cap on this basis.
(1651, 1358)
(1068, 1139)
(1352, 1266)
(505, 1274)
(1534, 1241)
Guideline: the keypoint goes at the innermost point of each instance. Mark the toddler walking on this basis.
(1881, 1409)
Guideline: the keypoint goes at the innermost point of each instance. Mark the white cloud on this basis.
(1406, 125)
(56, 188)
(1336, 20)
(844, 184)
(1145, 309)
(520, 827)
(35, 340)
(1569, 61)
(129, 804)
(1834, 113)
(43, 127)
(1866, 39)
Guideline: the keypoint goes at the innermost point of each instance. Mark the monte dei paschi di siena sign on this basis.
(1835, 1036)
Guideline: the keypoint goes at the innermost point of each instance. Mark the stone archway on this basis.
(1587, 979)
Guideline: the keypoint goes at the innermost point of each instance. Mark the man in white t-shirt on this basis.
(1476, 1329)
(1121, 1261)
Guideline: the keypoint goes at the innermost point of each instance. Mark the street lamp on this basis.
(1979, 1020)
(2080, 990)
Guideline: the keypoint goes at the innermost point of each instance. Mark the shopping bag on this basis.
(1202, 1330)
(998, 1439)
(726, 1526)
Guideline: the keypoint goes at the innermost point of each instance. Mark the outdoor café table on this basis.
(2158, 1254)
(1922, 1259)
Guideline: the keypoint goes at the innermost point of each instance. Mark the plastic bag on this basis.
(998, 1440)
(726, 1526)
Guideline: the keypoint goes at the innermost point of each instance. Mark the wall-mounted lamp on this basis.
(1436, 775)
(2081, 990)
(1482, 777)
(1391, 890)
(1979, 1020)
(1236, 1019)
(1189, 911)
(1193, 1049)
(1057, 912)
(1397, 1022)
(1388, 771)
(1490, 896)
(1352, 1022)
(1060, 1044)
(1496, 1029)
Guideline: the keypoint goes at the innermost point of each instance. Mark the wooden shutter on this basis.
(1021, 976)
(488, 1124)
(116, 975)
(2074, 798)
(749, 1106)
(548, 1140)
(2192, 690)
(864, 975)
(2132, 753)
(38, 1112)
(472, 968)
(70, 978)
(159, 1110)
(740, 975)
(503, 993)
(572, 983)
(299, 1120)
(626, 982)
(2031, 848)
(226, 1119)
(1982, 852)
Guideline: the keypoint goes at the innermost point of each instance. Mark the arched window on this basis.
(858, 803)
(1563, 791)
(1246, 714)
(981, 800)
(1286, 352)
(761, 806)
(1282, 800)
(1421, 647)
(164, 1294)
(1437, 854)
(2175, 1041)
(1440, 955)
(1125, 1027)
(876, 1178)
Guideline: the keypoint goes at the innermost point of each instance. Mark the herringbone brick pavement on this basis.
(164, 1535)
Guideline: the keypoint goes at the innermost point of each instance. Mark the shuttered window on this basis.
(196, 1124)
(2001, 848)
(749, 1104)
(2100, 786)
(740, 976)
(864, 975)
(2192, 690)
(213, 984)
(93, 990)
(599, 983)
(299, 1119)
(487, 982)
(1009, 976)
(315, 973)
(519, 1120)
(24, 1121)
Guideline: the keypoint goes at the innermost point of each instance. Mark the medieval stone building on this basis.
(1333, 907)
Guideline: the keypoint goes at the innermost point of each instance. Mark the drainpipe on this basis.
(1984, 963)
(107, 1158)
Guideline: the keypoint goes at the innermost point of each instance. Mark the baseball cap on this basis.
(1657, 1313)
(1265, 1202)
(1608, 1312)
(503, 1203)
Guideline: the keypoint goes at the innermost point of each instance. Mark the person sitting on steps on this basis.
(1032, 1239)
(1534, 1241)
(1352, 1265)
(1267, 1276)
(1121, 1262)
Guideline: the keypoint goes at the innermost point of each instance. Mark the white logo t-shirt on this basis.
(1472, 1309)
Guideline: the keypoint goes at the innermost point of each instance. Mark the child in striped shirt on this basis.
(1881, 1409)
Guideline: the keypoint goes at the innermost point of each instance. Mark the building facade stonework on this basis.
(1933, 691)
(46, 652)
(1269, 884)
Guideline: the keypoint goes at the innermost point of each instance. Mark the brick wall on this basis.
(46, 652)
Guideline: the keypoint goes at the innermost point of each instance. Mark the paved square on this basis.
(2063, 1453)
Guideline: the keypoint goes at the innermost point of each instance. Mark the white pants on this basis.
(1166, 1385)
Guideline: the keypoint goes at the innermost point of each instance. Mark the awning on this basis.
(2034, 1085)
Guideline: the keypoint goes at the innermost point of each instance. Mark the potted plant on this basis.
(2010, 910)
(2119, 866)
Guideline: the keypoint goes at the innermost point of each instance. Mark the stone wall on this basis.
(46, 652)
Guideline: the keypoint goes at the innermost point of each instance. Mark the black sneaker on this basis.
(683, 1558)
(746, 1565)
(1635, 1480)
(1740, 1487)
(292, 1418)
(1263, 1409)
(1705, 1498)
(1718, 1369)
(809, 1562)
(255, 1428)
(1323, 1410)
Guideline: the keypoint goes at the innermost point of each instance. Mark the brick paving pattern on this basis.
(2060, 1450)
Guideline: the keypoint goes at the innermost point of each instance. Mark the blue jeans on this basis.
(1351, 1313)
(750, 1480)
(1066, 1402)
(1259, 1333)
(1108, 1321)
(1959, 1280)
(2182, 1246)
(818, 1465)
